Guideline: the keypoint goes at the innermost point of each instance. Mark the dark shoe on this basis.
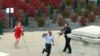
(64, 50)
(69, 52)
(43, 51)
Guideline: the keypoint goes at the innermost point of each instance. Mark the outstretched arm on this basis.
(62, 31)
(53, 42)
(13, 29)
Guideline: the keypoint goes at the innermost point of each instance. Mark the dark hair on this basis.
(67, 23)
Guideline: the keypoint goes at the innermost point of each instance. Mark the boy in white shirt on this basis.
(48, 42)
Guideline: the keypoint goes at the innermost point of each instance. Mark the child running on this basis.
(18, 32)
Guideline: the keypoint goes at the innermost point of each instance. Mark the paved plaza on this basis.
(34, 43)
(43, 15)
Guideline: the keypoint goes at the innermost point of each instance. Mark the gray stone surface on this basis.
(33, 24)
(89, 31)
(86, 41)
(48, 22)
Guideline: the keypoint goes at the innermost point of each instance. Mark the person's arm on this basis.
(61, 32)
(13, 29)
(53, 42)
(44, 34)
(22, 31)
(22, 28)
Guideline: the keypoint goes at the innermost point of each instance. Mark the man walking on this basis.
(66, 30)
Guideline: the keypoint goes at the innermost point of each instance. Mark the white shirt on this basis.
(48, 39)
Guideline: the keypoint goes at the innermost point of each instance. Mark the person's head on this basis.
(66, 25)
(18, 23)
(50, 33)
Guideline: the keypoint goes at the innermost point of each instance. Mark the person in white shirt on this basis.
(48, 42)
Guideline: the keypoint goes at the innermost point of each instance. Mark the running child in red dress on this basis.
(18, 32)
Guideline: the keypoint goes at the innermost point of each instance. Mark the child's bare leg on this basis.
(16, 43)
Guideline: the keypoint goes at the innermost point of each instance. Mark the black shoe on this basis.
(64, 50)
(69, 52)
(43, 51)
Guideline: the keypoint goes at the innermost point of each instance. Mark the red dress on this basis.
(18, 32)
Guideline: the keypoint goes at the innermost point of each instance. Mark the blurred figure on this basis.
(48, 42)
(66, 30)
(18, 32)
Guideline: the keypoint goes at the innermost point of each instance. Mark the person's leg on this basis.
(49, 49)
(16, 43)
(45, 49)
(17, 37)
(69, 47)
(66, 44)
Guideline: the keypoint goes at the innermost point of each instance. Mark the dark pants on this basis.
(67, 44)
(47, 49)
